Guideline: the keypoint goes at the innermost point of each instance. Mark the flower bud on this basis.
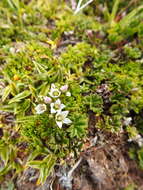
(47, 100)
(64, 88)
(68, 94)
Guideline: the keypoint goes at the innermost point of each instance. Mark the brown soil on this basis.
(105, 166)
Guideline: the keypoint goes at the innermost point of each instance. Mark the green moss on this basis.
(134, 53)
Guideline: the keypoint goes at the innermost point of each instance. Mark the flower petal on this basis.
(67, 121)
(40, 108)
(58, 101)
(64, 88)
(52, 105)
(62, 106)
(50, 93)
(68, 94)
(65, 113)
(59, 123)
(52, 108)
(53, 86)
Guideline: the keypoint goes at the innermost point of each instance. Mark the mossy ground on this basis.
(98, 53)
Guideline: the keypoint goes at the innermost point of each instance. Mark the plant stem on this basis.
(82, 7)
(74, 167)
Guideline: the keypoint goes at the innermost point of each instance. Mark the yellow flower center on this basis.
(60, 117)
(56, 93)
(57, 106)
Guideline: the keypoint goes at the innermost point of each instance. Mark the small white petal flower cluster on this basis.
(56, 106)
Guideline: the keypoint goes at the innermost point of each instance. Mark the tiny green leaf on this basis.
(6, 92)
(20, 96)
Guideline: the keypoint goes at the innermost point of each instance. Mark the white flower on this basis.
(47, 100)
(57, 106)
(64, 88)
(61, 117)
(12, 50)
(127, 121)
(40, 108)
(138, 139)
(54, 92)
(68, 94)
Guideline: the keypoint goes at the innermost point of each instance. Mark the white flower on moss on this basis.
(47, 100)
(54, 92)
(138, 139)
(68, 94)
(61, 118)
(127, 121)
(64, 88)
(40, 108)
(57, 106)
